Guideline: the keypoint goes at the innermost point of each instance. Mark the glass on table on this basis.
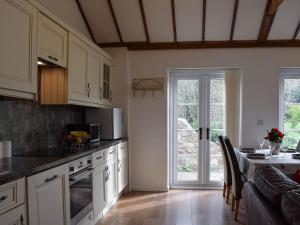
(261, 142)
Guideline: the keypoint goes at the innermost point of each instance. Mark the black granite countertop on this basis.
(23, 166)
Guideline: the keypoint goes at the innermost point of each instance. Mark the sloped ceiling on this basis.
(149, 22)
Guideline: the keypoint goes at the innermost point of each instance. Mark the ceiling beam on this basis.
(268, 18)
(236, 5)
(115, 19)
(85, 20)
(296, 31)
(203, 19)
(202, 45)
(144, 20)
(174, 20)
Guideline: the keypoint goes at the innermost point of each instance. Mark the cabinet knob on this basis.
(89, 89)
(2, 198)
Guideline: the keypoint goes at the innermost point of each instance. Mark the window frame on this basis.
(285, 74)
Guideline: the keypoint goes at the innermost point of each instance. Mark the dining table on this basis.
(283, 162)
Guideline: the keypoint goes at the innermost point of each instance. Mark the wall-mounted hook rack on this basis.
(148, 84)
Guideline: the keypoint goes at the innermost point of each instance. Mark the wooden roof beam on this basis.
(144, 20)
(85, 20)
(203, 19)
(111, 8)
(269, 15)
(202, 45)
(174, 20)
(236, 5)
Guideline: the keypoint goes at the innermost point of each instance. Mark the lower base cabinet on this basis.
(99, 199)
(16, 216)
(48, 197)
(110, 183)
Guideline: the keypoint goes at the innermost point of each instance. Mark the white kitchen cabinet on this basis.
(52, 41)
(99, 190)
(18, 44)
(106, 82)
(110, 183)
(94, 77)
(122, 167)
(79, 89)
(16, 216)
(48, 197)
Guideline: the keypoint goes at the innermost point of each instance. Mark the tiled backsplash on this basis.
(31, 126)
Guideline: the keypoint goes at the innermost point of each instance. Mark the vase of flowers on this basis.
(275, 138)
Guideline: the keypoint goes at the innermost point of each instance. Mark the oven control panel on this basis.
(80, 164)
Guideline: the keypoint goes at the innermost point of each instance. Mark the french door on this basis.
(197, 117)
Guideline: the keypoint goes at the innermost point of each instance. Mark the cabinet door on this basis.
(99, 176)
(106, 82)
(48, 197)
(122, 174)
(94, 71)
(16, 216)
(111, 182)
(52, 41)
(77, 69)
(18, 60)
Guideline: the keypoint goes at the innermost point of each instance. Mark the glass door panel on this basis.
(187, 130)
(217, 127)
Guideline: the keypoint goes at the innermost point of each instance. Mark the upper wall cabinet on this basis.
(79, 88)
(52, 41)
(106, 81)
(18, 69)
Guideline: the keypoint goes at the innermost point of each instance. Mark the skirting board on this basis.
(148, 188)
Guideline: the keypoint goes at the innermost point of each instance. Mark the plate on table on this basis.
(247, 150)
(256, 155)
(296, 156)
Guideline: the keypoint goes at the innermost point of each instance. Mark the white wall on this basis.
(148, 116)
(67, 10)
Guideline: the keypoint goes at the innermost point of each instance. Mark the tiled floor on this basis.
(176, 207)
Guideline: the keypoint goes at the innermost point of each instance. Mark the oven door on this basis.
(81, 195)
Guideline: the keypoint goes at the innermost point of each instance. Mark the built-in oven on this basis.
(81, 190)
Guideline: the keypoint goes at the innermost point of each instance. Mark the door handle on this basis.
(200, 133)
(207, 133)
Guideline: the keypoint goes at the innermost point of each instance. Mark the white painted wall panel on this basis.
(189, 20)
(98, 14)
(158, 14)
(249, 18)
(286, 20)
(129, 19)
(218, 19)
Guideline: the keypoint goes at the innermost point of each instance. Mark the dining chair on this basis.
(227, 170)
(237, 177)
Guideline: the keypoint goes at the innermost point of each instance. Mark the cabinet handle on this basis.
(3, 198)
(99, 157)
(21, 219)
(50, 178)
(110, 96)
(53, 58)
(89, 89)
(101, 93)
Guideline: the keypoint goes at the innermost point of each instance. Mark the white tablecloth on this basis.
(286, 164)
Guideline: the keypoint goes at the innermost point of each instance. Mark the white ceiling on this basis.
(188, 13)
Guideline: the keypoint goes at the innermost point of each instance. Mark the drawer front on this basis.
(98, 158)
(110, 153)
(8, 197)
(122, 150)
(49, 175)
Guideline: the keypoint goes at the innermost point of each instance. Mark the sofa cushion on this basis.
(271, 183)
(290, 206)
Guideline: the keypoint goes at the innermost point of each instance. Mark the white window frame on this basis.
(285, 74)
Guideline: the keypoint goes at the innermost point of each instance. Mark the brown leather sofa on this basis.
(272, 199)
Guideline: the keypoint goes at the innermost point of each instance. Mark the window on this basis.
(290, 107)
